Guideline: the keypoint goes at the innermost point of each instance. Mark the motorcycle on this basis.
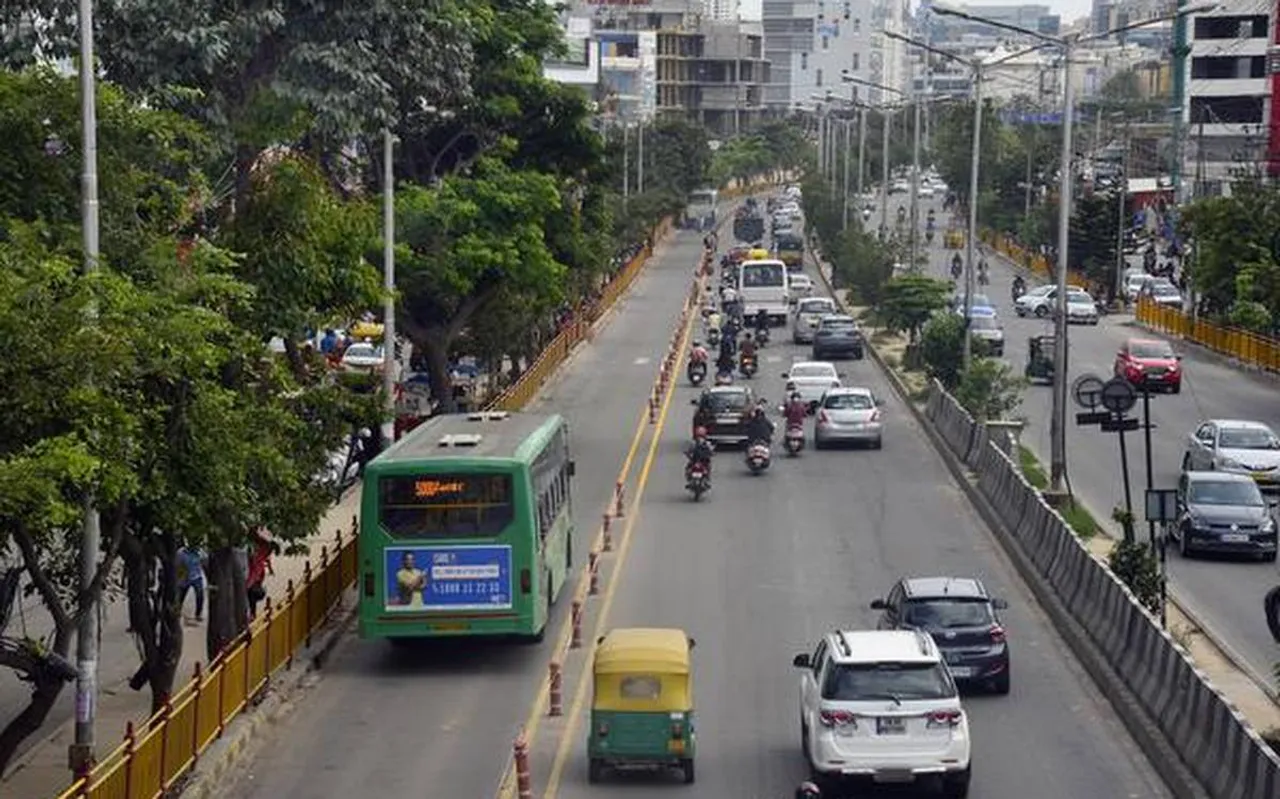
(747, 365)
(724, 378)
(793, 441)
(1017, 291)
(757, 457)
(713, 336)
(762, 336)
(697, 480)
(697, 372)
(928, 235)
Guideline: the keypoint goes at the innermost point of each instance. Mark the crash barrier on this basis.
(158, 753)
(1248, 348)
(1034, 262)
(1214, 740)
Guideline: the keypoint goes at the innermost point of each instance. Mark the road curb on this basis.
(212, 773)
(1141, 726)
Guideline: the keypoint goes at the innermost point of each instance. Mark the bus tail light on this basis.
(526, 581)
(369, 590)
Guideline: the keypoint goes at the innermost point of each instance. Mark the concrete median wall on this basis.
(1211, 737)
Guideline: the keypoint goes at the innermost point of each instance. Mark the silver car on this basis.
(811, 380)
(1241, 447)
(1082, 308)
(809, 312)
(849, 415)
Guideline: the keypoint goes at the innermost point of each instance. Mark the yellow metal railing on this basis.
(1248, 348)
(161, 750)
(1036, 263)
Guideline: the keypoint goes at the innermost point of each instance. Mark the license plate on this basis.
(890, 725)
(1234, 538)
(894, 776)
(961, 672)
(450, 626)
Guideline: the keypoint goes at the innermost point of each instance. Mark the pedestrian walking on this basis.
(191, 578)
(261, 550)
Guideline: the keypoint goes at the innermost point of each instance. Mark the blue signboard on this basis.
(448, 578)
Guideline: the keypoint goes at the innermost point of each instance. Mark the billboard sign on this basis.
(447, 578)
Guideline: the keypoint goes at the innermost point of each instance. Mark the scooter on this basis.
(713, 336)
(757, 457)
(697, 480)
(697, 372)
(762, 337)
(724, 378)
(793, 441)
(747, 365)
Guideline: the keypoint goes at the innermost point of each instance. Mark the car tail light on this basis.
(603, 730)
(945, 718)
(822, 417)
(997, 634)
(875, 416)
(526, 581)
(677, 730)
(837, 718)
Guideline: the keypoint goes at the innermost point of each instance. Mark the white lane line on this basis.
(642, 361)
(773, 359)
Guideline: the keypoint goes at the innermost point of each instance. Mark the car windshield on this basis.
(363, 351)
(979, 301)
(817, 306)
(948, 613)
(800, 280)
(848, 402)
(1079, 298)
(1151, 349)
(724, 402)
(853, 682)
(1040, 291)
(787, 242)
(983, 323)
(1248, 438)
(813, 370)
(1222, 492)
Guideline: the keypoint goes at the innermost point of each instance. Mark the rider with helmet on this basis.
(699, 451)
(698, 354)
(796, 410)
(808, 790)
(759, 426)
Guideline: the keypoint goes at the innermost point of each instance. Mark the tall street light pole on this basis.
(848, 146)
(1067, 44)
(862, 148)
(389, 361)
(82, 751)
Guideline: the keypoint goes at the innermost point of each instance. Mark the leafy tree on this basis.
(1236, 270)
(942, 348)
(463, 243)
(989, 389)
(863, 263)
(909, 302)
(1092, 237)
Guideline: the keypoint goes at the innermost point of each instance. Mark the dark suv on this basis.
(962, 618)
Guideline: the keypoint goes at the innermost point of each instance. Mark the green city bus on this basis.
(466, 528)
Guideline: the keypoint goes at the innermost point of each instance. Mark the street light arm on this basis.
(928, 47)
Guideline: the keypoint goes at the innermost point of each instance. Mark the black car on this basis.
(1224, 512)
(962, 618)
(727, 408)
(838, 336)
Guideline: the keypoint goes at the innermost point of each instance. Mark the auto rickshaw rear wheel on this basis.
(686, 766)
(595, 770)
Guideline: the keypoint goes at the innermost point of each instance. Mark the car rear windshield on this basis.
(947, 613)
(819, 306)
(854, 682)
(1248, 438)
(813, 370)
(1165, 290)
(983, 323)
(1150, 349)
(721, 403)
(849, 402)
(1079, 297)
(1221, 492)
(786, 242)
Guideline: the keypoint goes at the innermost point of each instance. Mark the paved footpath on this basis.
(40, 771)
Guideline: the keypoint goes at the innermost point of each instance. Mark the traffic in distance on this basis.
(830, 621)
(1214, 436)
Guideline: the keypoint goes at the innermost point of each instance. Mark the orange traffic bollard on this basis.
(606, 534)
(524, 780)
(618, 497)
(575, 641)
(555, 691)
(653, 407)
(593, 573)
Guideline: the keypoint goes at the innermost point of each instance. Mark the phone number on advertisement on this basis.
(480, 588)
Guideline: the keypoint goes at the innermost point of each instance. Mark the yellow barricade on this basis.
(1248, 348)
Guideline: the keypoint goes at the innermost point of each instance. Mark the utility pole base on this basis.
(80, 759)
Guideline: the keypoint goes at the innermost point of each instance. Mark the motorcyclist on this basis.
(704, 415)
(1019, 286)
(761, 321)
(747, 352)
(714, 319)
(808, 790)
(796, 410)
(724, 364)
(698, 354)
(699, 451)
(759, 426)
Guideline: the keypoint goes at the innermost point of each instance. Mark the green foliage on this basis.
(1236, 269)
(989, 389)
(774, 146)
(909, 302)
(942, 348)
(863, 263)
(1138, 567)
(1092, 237)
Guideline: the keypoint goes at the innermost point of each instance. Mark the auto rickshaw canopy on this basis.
(758, 254)
(643, 669)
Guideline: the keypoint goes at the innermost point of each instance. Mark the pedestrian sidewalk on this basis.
(42, 772)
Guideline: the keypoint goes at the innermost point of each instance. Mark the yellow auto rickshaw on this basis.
(642, 704)
(364, 330)
(758, 254)
(954, 238)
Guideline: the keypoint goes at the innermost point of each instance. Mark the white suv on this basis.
(881, 706)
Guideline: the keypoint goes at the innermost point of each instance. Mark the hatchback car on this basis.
(363, 357)
(1232, 445)
(963, 620)
(881, 706)
(985, 329)
(1133, 283)
(849, 415)
(977, 301)
(1151, 364)
(838, 336)
(1082, 308)
(809, 312)
(800, 285)
(1162, 292)
(811, 379)
(727, 407)
(1038, 301)
(1223, 512)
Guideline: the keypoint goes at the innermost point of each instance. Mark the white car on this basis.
(926, 190)
(363, 358)
(800, 285)
(1081, 307)
(811, 379)
(809, 313)
(1162, 292)
(1038, 301)
(882, 706)
(848, 415)
(1233, 445)
(1133, 283)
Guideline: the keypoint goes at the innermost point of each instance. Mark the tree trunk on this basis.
(436, 349)
(46, 687)
(155, 615)
(228, 601)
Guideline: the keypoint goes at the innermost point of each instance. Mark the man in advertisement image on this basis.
(410, 582)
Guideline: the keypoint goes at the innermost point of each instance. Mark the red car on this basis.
(1151, 363)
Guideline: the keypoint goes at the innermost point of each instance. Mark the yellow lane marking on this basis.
(624, 547)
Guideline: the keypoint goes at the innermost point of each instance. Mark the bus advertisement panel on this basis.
(448, 578)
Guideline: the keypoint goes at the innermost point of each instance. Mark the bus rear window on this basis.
(445, 505)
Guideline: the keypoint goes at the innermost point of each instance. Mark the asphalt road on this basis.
(765, 565)
(437, 719)
(1226, 594)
